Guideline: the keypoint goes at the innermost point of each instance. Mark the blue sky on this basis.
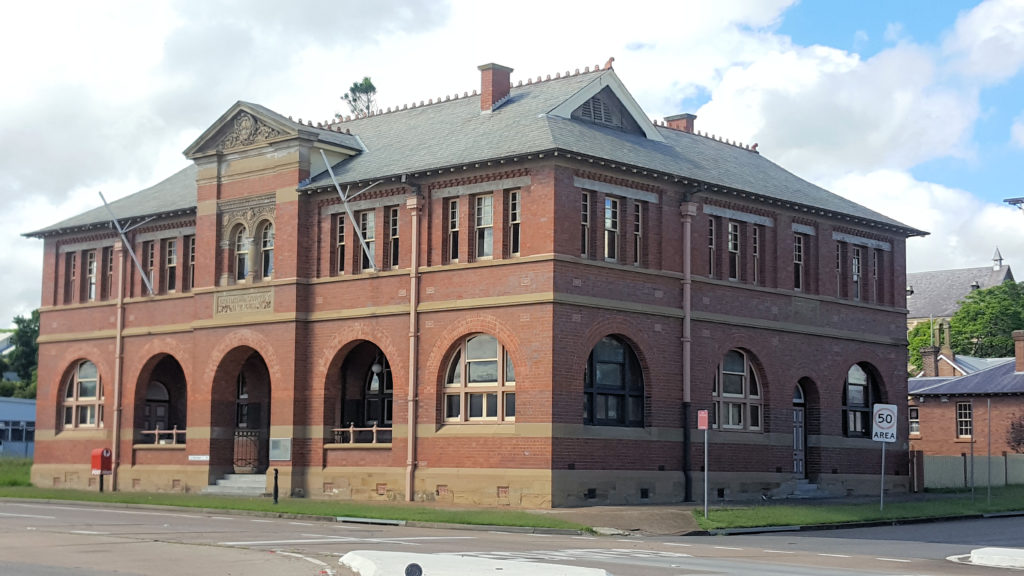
(914, 109)
(870, 26)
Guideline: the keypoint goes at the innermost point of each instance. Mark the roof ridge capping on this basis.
(333, 123)
(685, 122)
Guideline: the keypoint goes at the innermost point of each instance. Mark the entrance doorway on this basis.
(799, 434)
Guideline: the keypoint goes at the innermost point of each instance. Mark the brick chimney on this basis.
(495, 84)
(930, 361)
(683, 122)
(1018, 350)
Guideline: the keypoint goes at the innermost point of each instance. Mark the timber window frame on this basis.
(613, 385)
(737, 395)
(82, 405)
(965, 420)
(483, 224)
(480, 382)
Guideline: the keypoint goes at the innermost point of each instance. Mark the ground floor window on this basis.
(613, 385)
(737, 393)
(480, 382)
(83, 397)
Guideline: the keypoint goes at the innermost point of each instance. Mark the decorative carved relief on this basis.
(246, 131)
(247, 211)
(249, 301)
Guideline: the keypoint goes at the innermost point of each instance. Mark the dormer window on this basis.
(597, 110)
(605, 109)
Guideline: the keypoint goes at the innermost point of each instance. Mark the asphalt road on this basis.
(47, 539)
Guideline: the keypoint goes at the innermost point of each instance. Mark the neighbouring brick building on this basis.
(525, 298)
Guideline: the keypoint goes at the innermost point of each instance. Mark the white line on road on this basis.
(892, 560)
(779, 551)
(302, 524)
(85, 509)
(727, 548)
(834, 555)
(677, 544)
(28, 516)
(257, 520)
(89, 532)
(584, 538)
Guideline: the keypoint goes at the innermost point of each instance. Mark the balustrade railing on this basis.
(353, 435)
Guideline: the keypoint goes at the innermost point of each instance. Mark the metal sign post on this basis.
(884, 431)
(702, 424)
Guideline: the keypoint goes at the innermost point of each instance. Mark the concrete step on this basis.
(238, 485)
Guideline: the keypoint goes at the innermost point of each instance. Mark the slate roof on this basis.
(999, 379)
(938, 293)
(915, 385)
(455, 133)
(173, 195)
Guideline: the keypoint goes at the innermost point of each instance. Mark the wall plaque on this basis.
(244, 302)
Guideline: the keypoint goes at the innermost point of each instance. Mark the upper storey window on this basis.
(484, 223)
(514, 221)
(368, 228)
(611, 229)
(267, 250)
(240, 242)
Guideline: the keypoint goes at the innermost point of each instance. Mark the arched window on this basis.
(267, 250)
(480, 383)
(613, 385)
(860, 393)
(737, 393)
(241, 245)
(83, 397)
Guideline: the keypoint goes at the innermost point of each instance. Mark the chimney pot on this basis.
(495, 83)
(683, 122)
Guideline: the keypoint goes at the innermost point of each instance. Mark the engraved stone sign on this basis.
(247, 302)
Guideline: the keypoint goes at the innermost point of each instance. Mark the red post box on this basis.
(101, 465)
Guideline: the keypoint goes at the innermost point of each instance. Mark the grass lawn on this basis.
(14, 483)
(931, 505)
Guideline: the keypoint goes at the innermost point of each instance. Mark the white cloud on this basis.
(987, 42)
(1017, 131)
(963, 230)
(820, 110)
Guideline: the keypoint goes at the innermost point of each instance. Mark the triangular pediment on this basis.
(242, 126)
(606, 101)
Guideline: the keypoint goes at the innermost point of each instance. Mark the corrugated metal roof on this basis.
(999, 379)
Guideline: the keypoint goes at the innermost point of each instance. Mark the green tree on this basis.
(984, 324)
(25, 356)
(362, 97)
(918, 337)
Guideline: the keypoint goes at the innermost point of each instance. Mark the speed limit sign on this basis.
(884, 423)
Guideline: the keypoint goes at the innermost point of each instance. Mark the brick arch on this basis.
(156, 354)
(238, 339)
(69, 360)
(871, 361)
(331, 357)
(477, 324)
(624, 328)
(746, 344)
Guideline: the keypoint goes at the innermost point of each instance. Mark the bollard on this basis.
(413, 569)
(275, 485)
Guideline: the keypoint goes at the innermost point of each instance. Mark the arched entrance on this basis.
(240, 412)
(799, 433)
(366, 397)
(161, 403)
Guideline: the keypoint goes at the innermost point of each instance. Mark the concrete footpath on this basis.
(378, 563)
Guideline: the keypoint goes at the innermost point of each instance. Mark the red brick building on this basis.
(525, 298)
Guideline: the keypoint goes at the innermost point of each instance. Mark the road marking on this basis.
(834, 555)
(86, 509)
(257, 520)
(779, 551)
(727, 548)
(892, 560)
(584, 538)
(624, 540)
(89, 532)
(221, 518)
(302, 524)
(28, 516)
(323, 565)
(327, 539)
(677, 544)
